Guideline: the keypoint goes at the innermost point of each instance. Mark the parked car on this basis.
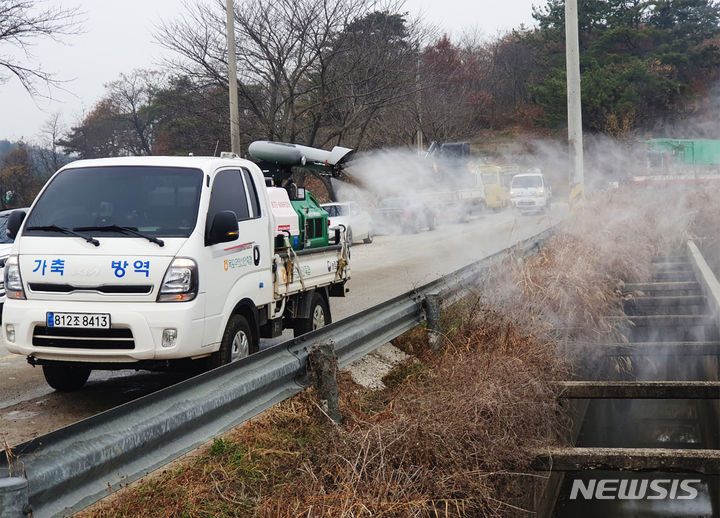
(357, 222)
(530, 192)
(404, 215)
(6, 244)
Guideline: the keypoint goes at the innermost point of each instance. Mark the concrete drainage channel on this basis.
(648, 442)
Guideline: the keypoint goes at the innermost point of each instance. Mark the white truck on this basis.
(530, 192)
(160, 263)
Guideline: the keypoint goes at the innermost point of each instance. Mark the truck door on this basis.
(237, 269)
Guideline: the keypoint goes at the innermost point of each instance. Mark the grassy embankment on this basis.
(451, 435)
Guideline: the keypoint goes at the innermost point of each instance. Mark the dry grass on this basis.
(445, 444)
(453, 432)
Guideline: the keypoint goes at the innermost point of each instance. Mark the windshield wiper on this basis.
(125, 230)
(57, 228)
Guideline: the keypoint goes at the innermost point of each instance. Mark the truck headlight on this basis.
(180, 283)
(13, 280)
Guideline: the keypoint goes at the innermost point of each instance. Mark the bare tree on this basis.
(132, 96)
(309, 71)
(373, 72)
(122, 122)
(448, 75)
(512, 61)
(49, 158)
(21, 25)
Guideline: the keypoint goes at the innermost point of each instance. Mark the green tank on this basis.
(313, 223)
(683, 155)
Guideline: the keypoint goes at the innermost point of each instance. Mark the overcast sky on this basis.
(118, 38)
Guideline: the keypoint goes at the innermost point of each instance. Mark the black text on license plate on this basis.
(81, 320)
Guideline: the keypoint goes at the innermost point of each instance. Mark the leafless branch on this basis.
(22, 25)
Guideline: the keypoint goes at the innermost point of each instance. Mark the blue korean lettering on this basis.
(119, 267)
(142, 267)
(41, 263)
(57, 266)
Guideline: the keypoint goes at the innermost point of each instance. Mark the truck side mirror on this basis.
(224, 228)
(14, 223)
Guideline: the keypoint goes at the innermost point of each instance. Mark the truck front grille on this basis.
(123, 289)
(118, 338)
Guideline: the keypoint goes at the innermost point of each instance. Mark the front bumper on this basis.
(146, 321)
(529, 202)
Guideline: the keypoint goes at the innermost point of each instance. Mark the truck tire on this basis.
(369, 237)
(237, 342)
(431, 222)
(65, 378)
(319, 316)
(412, 224)
(349, 236)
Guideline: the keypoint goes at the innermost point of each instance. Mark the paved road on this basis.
(390, 266)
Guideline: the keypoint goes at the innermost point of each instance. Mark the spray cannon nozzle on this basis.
(284, 155)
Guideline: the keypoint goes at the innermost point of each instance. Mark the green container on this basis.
(687, 152)
(313, 223)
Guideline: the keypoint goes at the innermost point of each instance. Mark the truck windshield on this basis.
(489, 178)
(157, 201)
(336, 210)
(4, 239)
(527, 181)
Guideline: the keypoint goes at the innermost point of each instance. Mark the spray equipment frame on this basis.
(277, 159)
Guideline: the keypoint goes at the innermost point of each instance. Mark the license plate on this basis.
(80, 320)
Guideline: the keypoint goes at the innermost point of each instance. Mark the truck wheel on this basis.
(319, 316)
(369, 237)
(431, 222)
(237, 342)
(65, 378)
(349, 236)
(414, 224)
(409, 226)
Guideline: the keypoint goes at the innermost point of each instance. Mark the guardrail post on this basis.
(432, 315)
(13, 497)
(322, 363)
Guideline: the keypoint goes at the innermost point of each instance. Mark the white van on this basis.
(530, 192)
(157, 262)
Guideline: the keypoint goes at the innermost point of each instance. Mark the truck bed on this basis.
(313, 268)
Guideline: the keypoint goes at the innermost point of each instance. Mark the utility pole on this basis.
(575, 136)
(232, 73)
(418, 106)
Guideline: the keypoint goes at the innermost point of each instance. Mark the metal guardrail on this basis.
(75, 466)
